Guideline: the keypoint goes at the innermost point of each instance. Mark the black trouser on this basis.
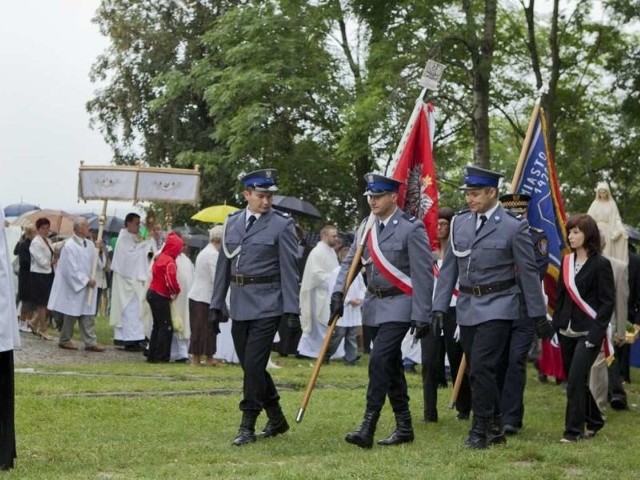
(454, 354)
(623, 360)
(431, 347)
(162, 331)
(386, 374)
(7, 411)
(616, 388)
(252, 340)
(512, 370)
(582, 408)
(368, 336)
(483, 345)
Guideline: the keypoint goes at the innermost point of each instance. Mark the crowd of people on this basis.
(477, 304)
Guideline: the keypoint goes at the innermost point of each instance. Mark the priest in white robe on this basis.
(74, 292)
(130, 267)
(9, 339)
(315, 294)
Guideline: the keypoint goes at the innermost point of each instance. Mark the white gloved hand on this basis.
(554, 340)
(456, 334)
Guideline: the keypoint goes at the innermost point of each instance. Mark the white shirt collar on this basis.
(488, 213)
(384, 221)
(248, 213)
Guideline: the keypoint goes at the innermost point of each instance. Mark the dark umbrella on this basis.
(198, 241)
(190, 230)
(17, 209)
(111, 224)
(295, 206)
(633, 233)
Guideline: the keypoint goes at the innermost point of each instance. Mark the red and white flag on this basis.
(416, 168)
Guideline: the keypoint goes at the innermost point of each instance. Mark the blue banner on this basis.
(538, 179)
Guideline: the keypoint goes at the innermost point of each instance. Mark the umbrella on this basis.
(214, 214)
(61, 221)
(295, 206)
(17, 209)
(633, 233)
(111, 224)
(198, 241)
(190, 230)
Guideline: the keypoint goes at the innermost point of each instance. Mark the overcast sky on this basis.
(47, 48)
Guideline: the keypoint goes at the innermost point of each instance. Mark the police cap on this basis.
(476, 177)
(515, 200)
(379, 184)
(261, 180)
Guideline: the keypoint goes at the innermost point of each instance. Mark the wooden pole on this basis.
(459, 377)
(353, 271)
(525, 146)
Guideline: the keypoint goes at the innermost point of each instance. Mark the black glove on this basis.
(544, 329)
(437, 322)
(419, 329)
(292, 321)
(215, 315)
(336, 307)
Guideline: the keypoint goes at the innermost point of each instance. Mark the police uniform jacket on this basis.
(502, 247)
(269, 248)
(404, 243)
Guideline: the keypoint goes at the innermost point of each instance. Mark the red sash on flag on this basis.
(396, 277)
(569, 274)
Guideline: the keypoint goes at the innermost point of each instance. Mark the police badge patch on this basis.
(543, 246)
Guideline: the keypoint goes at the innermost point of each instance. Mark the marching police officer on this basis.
(487, 246)
(399, 272)
(260, 264)
(513, 368)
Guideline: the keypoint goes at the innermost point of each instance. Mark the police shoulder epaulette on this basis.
(463, 211)
(517, 216)
(409, 217)
(536, 229)
(236, 212)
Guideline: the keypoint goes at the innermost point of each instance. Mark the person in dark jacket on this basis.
(585, 302)
(162, 290)
(27, 307)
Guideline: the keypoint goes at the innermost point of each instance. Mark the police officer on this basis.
(399, 272)
(260, 264)
(512, 373)
(487, 246)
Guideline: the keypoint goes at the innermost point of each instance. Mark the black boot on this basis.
(478, 434)
(246, 432)
(276, 424)
(403, 432)
(495, 431)
(363, 436)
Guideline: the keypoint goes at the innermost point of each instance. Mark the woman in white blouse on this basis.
(43, 259)
(203, 332)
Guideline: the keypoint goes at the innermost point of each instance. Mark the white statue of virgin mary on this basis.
(605, 212)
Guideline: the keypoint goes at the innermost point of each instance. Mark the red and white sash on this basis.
(396, 277)
(569, 274)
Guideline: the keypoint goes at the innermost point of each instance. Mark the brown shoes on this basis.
(68, 346)
(93, 348)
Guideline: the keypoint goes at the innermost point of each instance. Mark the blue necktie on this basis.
(252, 220)
(483, 220)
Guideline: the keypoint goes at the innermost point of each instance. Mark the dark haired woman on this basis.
(585, 302)
(43, 259)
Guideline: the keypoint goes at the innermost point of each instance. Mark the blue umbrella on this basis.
(17, 209)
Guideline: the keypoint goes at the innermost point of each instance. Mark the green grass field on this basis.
(133, 420)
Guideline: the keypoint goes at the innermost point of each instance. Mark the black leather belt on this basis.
(384, 292)
(479, 290)
(242, 280)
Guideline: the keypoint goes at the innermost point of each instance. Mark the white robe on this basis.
(130, 268)
(9, 334)
(73, 271)
(315, 297)
(185, 274)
